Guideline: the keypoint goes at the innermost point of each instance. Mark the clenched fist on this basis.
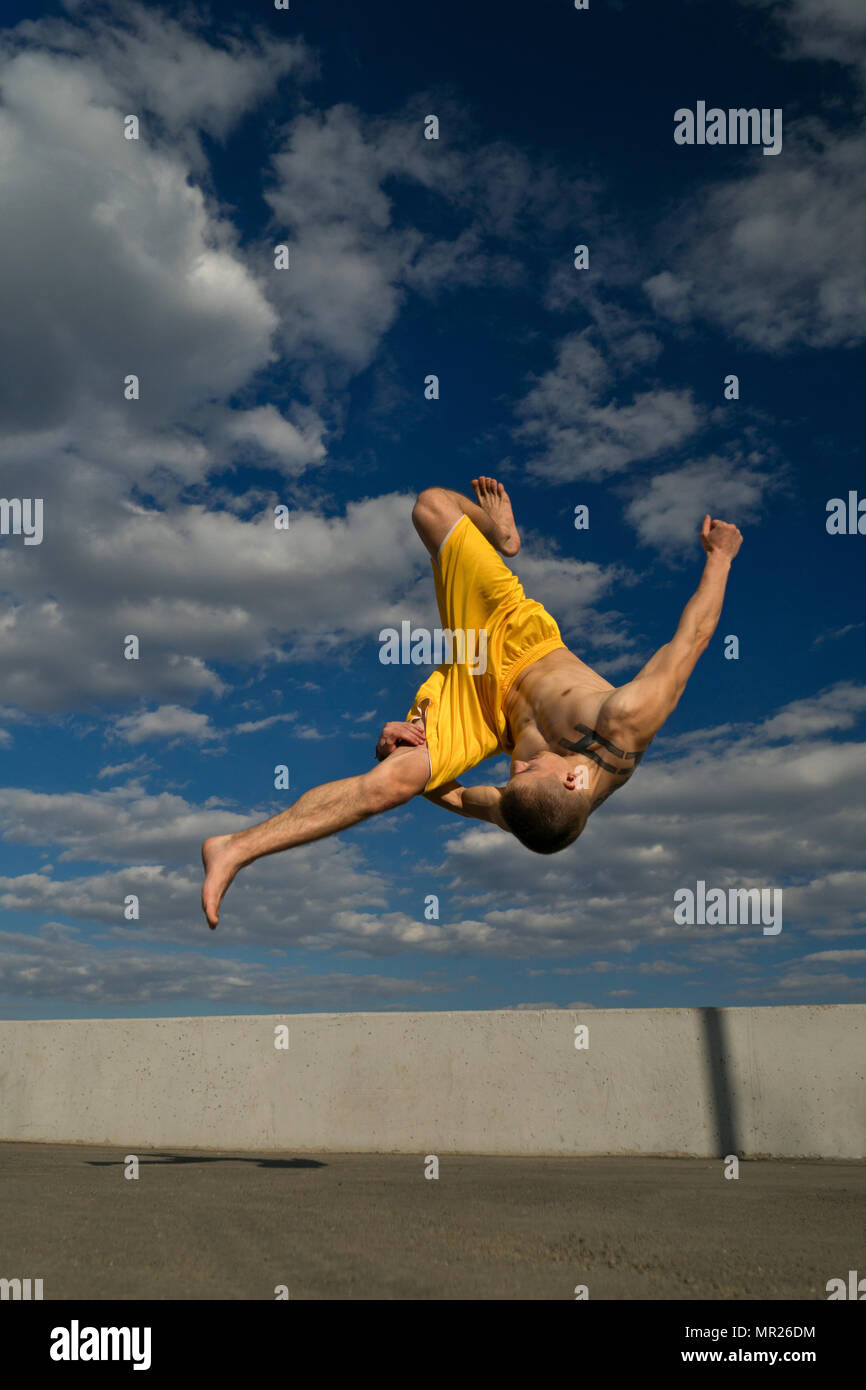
(720, 537)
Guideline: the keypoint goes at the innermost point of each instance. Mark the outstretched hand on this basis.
(399, 732)
(720, 537)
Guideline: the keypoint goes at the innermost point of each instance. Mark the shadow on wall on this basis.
(720, 1066)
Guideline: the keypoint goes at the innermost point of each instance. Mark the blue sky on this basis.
(601, 387)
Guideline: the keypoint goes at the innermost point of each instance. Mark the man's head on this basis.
(543, 805)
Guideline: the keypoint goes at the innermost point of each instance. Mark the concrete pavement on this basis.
(364, 1226)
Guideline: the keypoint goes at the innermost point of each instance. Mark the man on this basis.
(574, 738)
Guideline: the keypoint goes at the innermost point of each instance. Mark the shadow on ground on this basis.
(165, 1161)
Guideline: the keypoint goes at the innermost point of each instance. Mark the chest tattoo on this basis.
(591, 741)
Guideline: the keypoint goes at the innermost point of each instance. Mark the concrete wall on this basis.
(783, 1081)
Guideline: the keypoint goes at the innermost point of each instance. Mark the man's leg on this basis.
(320, 812)
(439, 508)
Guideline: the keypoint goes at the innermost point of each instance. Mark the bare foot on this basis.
(220, 866)
(494, 500)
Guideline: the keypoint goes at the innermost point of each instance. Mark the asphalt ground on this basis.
(372, 1226)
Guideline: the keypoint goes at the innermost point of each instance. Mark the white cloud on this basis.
(668, 510)
(254, 726)
(293, 447)
(835, 633)
(353, 260)
(833, 30)
(574, 432)
(775, 257)
(551, 1004)
(56, 965)
(118, 769)
(168, 721)
(136, 231)
(837, 957)
(195, 586)
(809, 982)
(164, 66)
(123, 824)
(840, 707)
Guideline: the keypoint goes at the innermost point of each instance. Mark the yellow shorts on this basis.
(477, 592)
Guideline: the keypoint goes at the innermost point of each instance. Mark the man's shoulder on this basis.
(621, 716)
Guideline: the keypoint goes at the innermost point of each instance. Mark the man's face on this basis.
(544, 765)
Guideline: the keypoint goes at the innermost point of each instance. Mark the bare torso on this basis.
(560, 703)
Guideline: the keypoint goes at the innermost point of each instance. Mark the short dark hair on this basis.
(543, 814)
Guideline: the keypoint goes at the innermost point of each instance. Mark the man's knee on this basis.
(430, 504)
(394, 781)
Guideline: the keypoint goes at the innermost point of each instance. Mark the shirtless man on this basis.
(574, 738)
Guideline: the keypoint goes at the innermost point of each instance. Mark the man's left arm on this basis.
(480, 803)
(648, 700)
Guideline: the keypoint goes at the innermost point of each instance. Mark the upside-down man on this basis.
(573, 737)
